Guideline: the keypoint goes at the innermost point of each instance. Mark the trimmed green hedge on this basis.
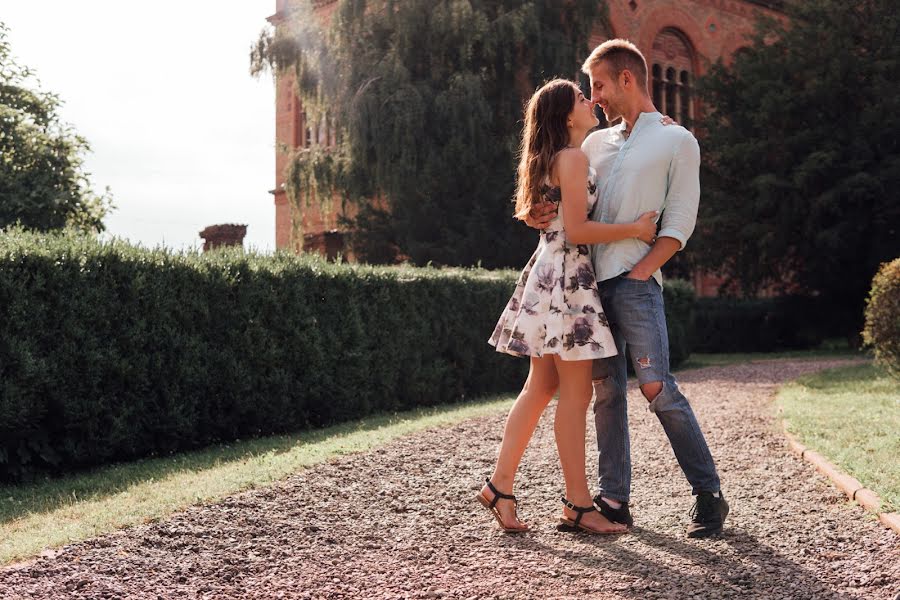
(761, 324)
(110, 352)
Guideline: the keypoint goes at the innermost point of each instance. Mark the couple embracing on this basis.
(591, 295)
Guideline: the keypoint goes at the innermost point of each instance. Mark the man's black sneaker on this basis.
(708, 515)
(616, 515)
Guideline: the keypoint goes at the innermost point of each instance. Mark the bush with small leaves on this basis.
(882, 329)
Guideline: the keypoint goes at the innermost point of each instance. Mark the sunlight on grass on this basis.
(56, 512)
(851, 415)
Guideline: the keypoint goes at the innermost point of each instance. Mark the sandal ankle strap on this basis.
(498, 495)
(581, 510)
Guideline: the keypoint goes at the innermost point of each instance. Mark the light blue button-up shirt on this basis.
(657, 167)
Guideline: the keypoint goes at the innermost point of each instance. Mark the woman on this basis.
(555, 317)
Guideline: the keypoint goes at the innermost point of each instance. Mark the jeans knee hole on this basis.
(655, 396)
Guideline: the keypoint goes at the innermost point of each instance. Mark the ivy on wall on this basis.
(426, 99)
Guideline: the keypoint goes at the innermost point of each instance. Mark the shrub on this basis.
(110, 352)
(731, 325)
(882, 328)
(762, 324)
(680, 300)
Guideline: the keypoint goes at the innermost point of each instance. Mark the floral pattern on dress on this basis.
(556, 308)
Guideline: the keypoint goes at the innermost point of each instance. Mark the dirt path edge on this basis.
(855, 490)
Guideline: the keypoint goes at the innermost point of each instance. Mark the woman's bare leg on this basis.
(574, 397)
(536, 394)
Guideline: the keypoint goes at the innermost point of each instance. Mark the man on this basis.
(642, 164)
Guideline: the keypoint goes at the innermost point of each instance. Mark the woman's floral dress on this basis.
(556, 306)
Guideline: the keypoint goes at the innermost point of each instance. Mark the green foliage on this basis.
(763, 324)
(801, 154)
(427, 99)
(110, 352)
(42, 183)
(882, 329)
(679, 300)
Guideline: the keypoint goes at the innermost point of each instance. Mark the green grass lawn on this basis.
(55, 512)
(851, 415)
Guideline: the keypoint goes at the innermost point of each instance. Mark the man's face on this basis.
(606, 92)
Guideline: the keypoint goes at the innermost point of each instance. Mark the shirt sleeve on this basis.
(683, 195)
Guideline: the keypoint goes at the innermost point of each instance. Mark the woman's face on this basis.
(582, 116)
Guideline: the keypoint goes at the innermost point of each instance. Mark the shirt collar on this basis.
(642, 118)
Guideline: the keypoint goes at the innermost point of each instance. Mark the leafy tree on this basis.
(801, 148)
(427, 100)
(42, 182)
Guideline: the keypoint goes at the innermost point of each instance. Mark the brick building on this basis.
(680, 38)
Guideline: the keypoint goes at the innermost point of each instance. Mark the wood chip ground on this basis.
(401, 522)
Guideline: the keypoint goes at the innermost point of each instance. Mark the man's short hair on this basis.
(619, 54)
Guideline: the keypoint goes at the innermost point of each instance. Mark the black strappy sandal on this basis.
(567, 524)
(491, 505)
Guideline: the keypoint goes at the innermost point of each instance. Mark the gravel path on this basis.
(401, 522)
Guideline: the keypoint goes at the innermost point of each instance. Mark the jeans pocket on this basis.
(637, 291)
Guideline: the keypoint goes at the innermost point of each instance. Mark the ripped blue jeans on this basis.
(638, 323)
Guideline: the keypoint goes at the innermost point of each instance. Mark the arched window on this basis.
(672, 74)
(323, 132)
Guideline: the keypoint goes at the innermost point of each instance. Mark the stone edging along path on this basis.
(855, 490)
(400, 521)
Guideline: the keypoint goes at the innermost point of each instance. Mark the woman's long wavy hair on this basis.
(544, 135)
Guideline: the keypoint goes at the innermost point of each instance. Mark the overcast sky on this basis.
(180, 131)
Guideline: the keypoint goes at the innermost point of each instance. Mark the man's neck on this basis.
(643, 105)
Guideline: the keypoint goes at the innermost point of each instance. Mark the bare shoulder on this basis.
(567, 163)
(571, 160)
